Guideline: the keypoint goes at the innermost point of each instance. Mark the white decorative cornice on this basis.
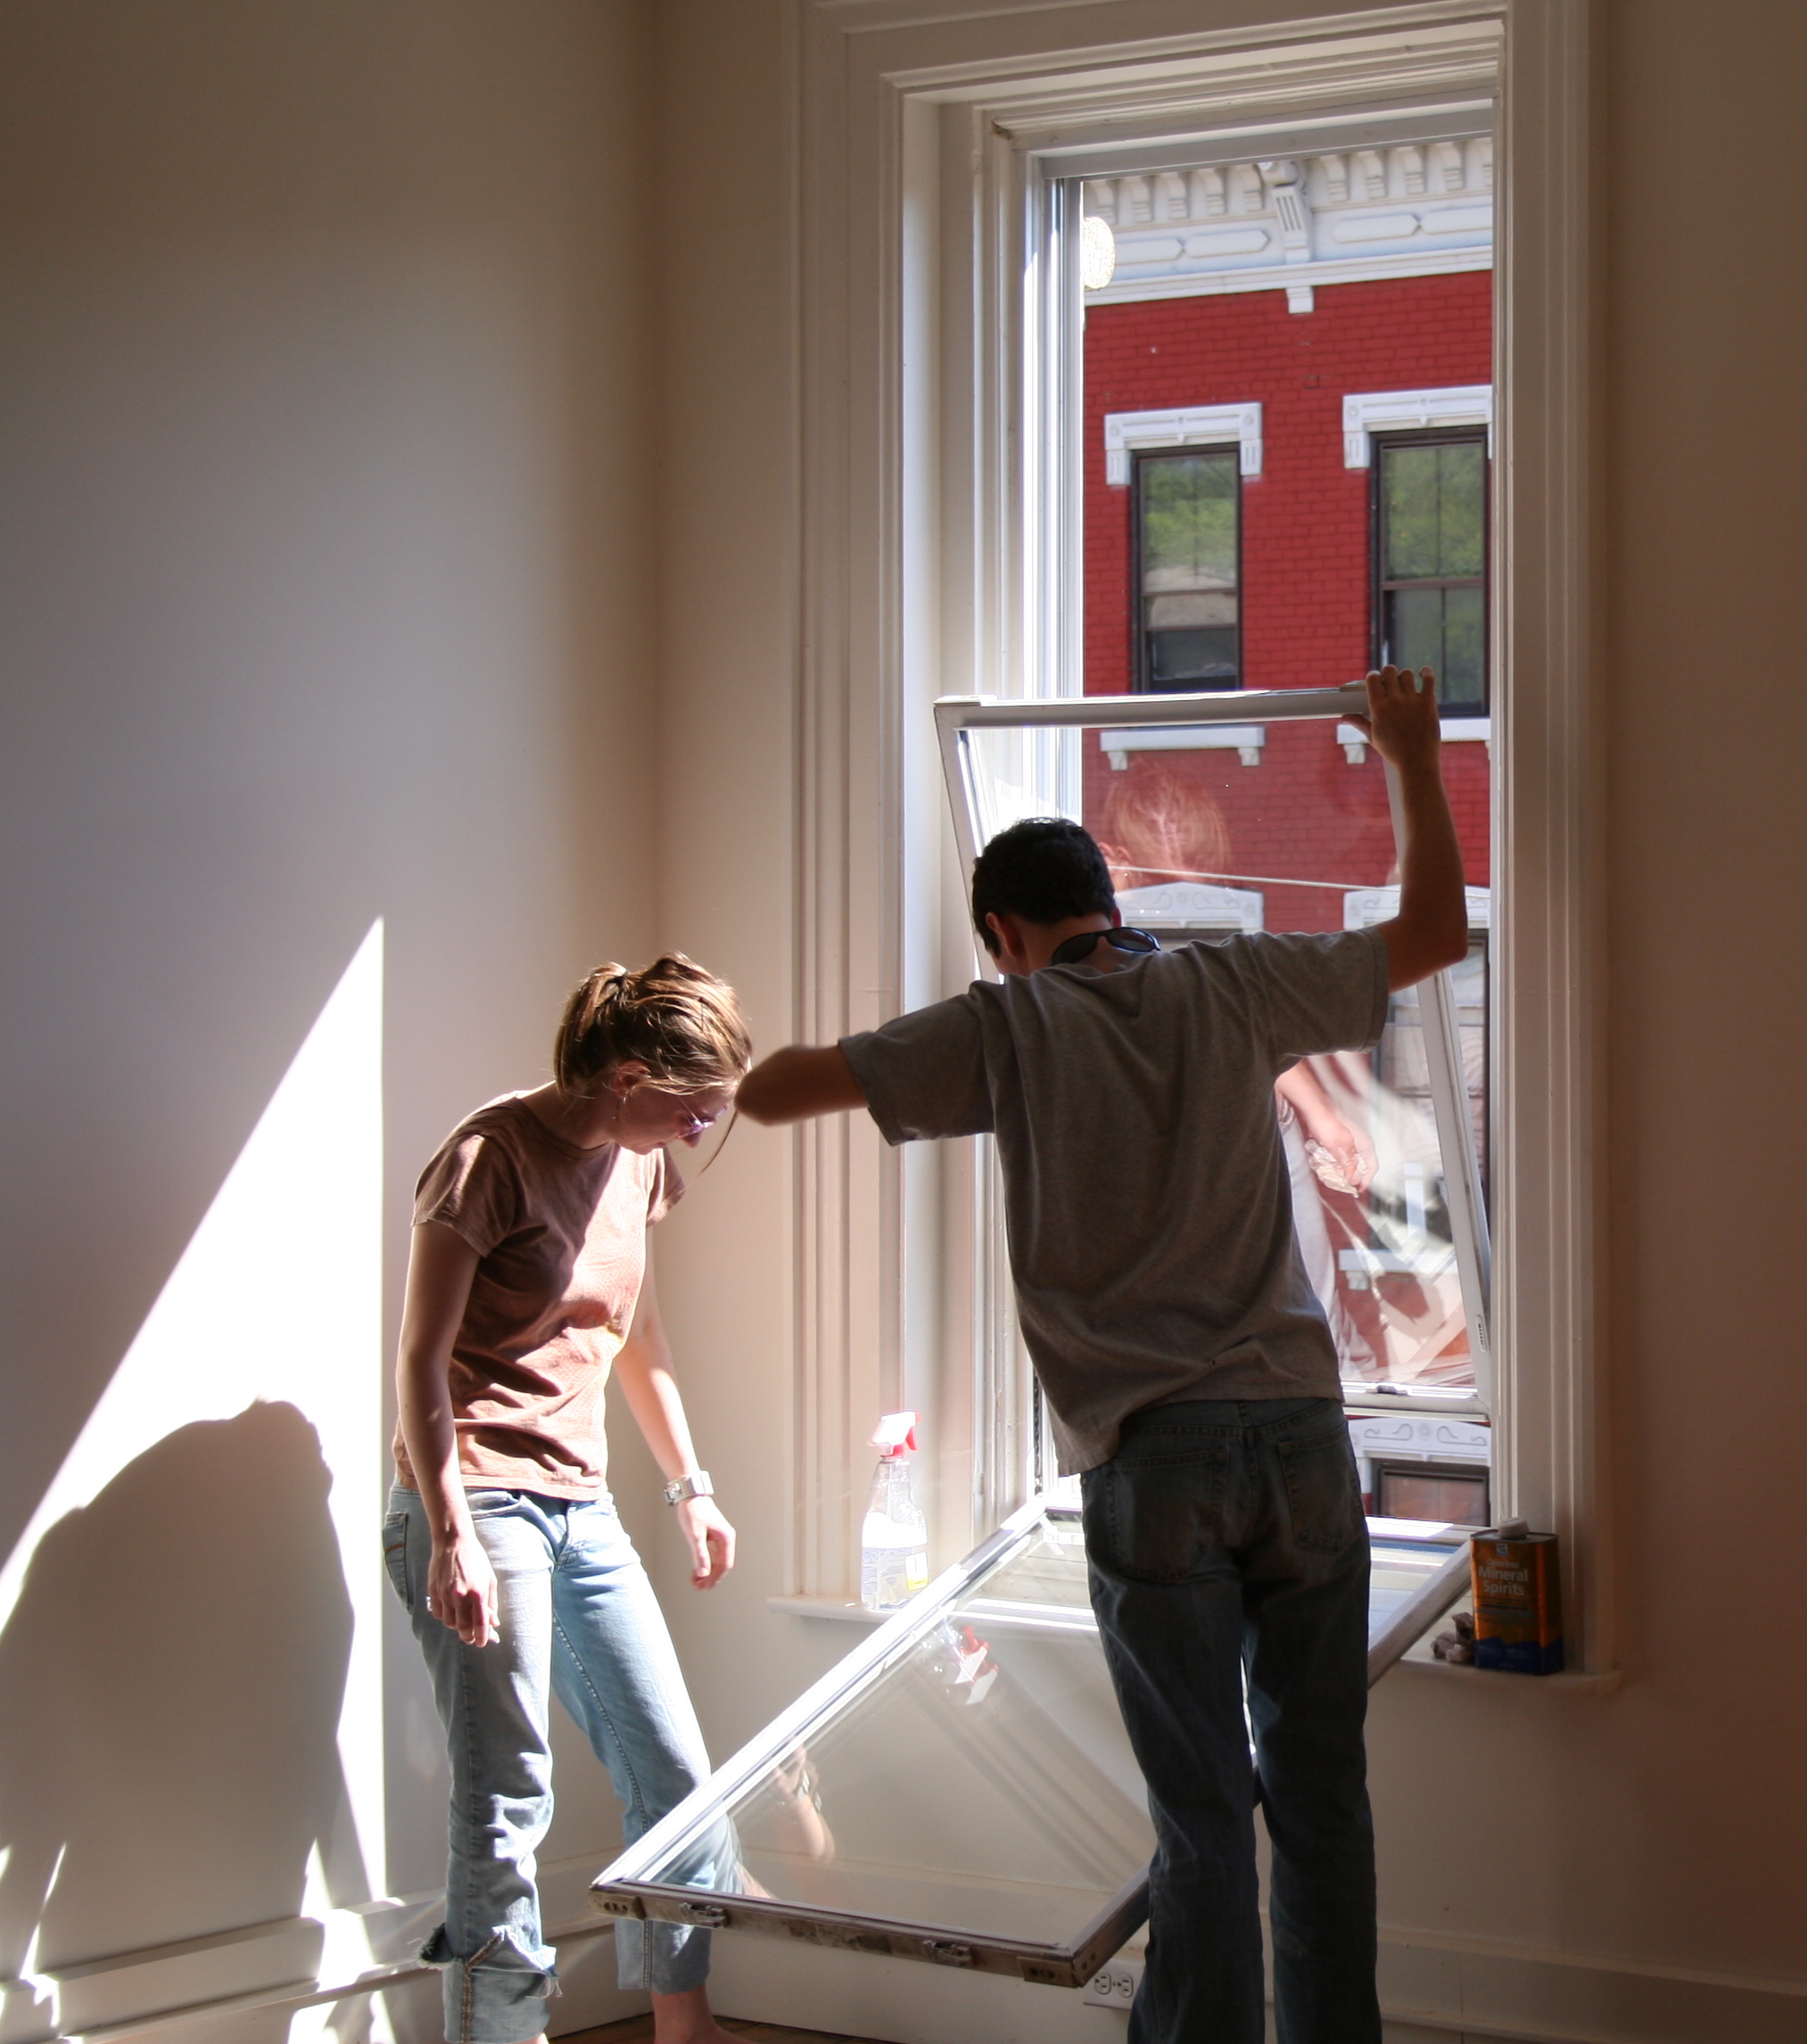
(1366, 413)
(1287, 223)
(1195, 426)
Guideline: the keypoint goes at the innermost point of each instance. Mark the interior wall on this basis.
(375, 429)
(325, 599)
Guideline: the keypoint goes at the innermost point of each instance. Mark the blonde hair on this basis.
(1160, 825)
(680, 1022)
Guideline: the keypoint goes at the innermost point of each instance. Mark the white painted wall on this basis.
(398, 419)
(325, 598)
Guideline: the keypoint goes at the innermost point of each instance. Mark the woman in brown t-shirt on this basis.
(526, 1284)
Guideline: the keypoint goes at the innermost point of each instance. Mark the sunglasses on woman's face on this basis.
(1076, 950)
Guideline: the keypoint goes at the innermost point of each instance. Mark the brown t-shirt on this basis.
(561, 1240)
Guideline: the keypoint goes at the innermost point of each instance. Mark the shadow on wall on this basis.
(171, 1687)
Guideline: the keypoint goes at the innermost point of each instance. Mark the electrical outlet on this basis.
(1114, 1984)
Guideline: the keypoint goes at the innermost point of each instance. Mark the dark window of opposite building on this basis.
(1188, 542)
(1431, 1490)
(1430, 516)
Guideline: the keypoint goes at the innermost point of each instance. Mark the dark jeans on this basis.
(1228, 1537)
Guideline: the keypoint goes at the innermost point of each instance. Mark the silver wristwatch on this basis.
(696, 1485)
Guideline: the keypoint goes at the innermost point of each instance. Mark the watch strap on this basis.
(697, 1484)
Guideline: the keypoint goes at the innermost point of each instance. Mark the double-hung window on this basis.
(1429, 551)
(1188, 569)
(952, 1792)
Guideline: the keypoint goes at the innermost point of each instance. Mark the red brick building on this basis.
(1306, 582)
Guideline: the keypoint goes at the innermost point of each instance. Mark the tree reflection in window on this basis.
(1187, 514)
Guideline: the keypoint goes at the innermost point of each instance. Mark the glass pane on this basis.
(1433, 513)
(1188, 505)
(1408, 514)
(1445, 630)
(967, 1776)
(1463, 672)
(1414, 631)
(985, 1785)
(1204, 659)
(1188, 522)
(1461, 485)
(1401, 1569)
(1449, 1498)
(1211, 830)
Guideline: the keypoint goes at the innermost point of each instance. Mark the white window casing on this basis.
(1455, 730)
(1194, 905)
(1364, 907)
(1247, 741)
(1366, 413)
(1202, 425)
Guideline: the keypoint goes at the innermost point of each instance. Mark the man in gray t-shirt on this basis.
(1186, 1362)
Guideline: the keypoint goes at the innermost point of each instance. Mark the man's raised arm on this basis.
(1431, 930)
(798, 1081)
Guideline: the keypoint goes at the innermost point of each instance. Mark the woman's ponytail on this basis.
(680, 1022)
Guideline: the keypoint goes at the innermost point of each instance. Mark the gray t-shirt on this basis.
(1146, 1192)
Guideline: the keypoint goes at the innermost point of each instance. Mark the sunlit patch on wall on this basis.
(273, 1308)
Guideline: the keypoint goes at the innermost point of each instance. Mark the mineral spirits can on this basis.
(1518, 1601)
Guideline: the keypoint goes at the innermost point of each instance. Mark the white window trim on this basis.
(1364, 907)
(915, 463)
(1455, 730)
(1200, 425)
(1193, 905)
(1366, 413)
(1245, 740)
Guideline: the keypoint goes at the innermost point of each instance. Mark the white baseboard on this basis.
(233, 1981)
(1435, 1989)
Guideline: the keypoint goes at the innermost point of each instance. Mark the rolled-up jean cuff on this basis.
(660, 1957)
(496, 1996)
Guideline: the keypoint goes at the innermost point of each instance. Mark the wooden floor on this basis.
(638, 2030)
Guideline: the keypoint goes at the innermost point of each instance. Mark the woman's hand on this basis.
(1349, 1157)
(711, 1539)
(461, 1589)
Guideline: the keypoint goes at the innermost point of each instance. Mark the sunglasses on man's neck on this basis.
(1076, 950)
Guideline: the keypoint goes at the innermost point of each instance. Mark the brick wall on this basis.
(1304, 813)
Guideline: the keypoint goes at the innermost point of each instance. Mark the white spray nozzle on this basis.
(896, 1433)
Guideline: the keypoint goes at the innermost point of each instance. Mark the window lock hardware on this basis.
(944, 1954)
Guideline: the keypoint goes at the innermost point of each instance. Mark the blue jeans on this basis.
(1226, 1540)
(578, 1616)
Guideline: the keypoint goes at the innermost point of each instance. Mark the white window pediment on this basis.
(1197, 425)
(1193, 905)
(1366, 413)
(1364, 907)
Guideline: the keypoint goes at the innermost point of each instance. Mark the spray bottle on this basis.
(894, 1540)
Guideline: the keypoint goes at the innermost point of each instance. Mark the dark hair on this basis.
(1044, 869)
(680, 1022)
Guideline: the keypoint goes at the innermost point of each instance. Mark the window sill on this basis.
(837, 1608)
(1571, 1682)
